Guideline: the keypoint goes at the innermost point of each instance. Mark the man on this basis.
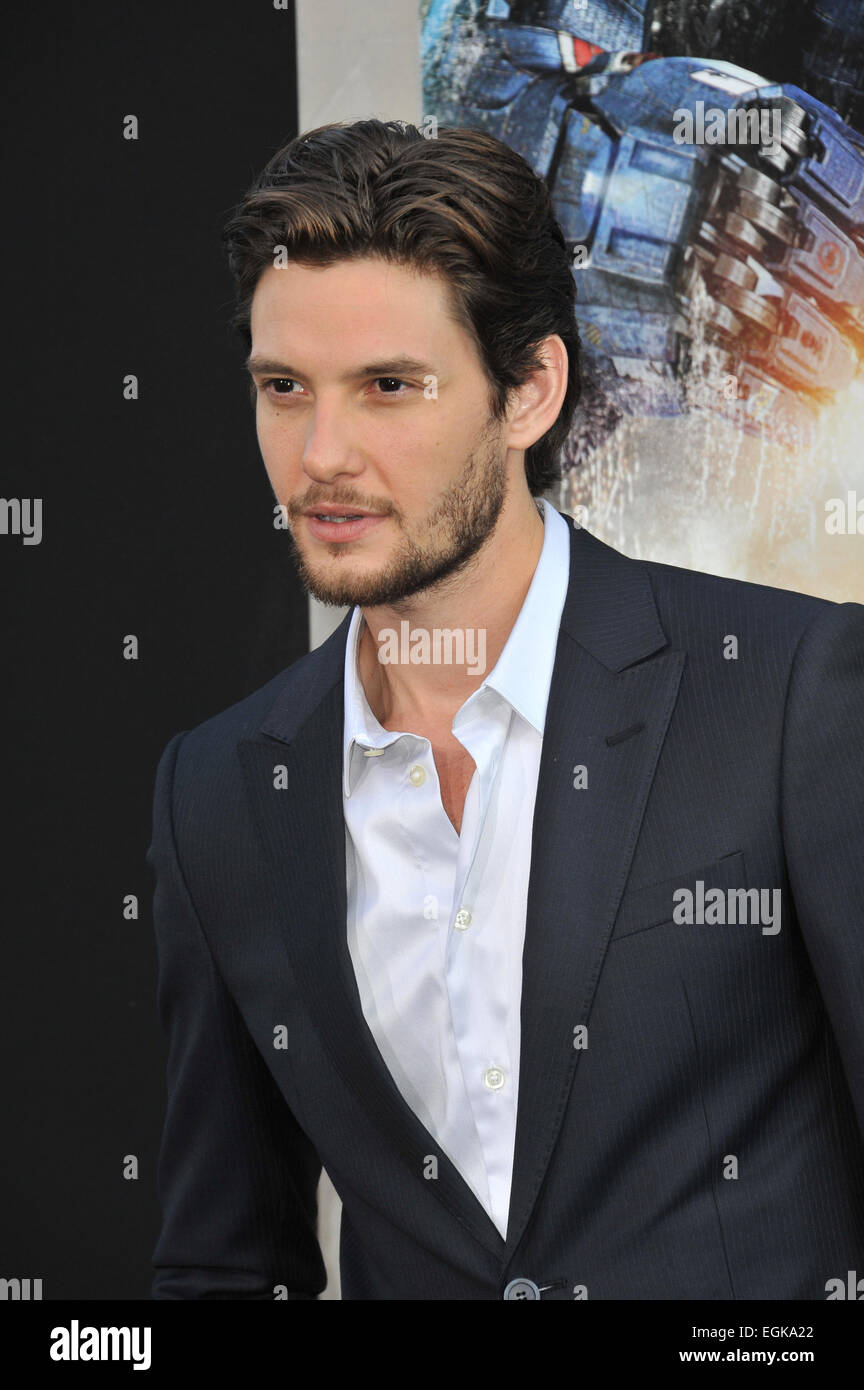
(552, 952)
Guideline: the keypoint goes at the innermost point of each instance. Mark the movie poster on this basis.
(705, 160)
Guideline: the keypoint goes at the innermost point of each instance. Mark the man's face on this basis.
(370, 397)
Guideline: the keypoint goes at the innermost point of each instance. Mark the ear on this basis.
(536, 404)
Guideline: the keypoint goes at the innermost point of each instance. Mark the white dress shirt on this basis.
(436, 918)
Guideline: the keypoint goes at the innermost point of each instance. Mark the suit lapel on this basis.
(583, 843)
(303, 830)
(603, 689)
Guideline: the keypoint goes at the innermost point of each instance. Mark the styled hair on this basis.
(461, 204)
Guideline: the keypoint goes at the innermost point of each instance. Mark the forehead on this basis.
(364, 305)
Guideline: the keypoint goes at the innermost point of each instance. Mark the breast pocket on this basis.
(652, 906)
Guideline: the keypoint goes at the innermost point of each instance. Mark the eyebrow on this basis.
(393, 366)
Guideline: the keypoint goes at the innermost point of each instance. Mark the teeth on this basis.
(353, 517)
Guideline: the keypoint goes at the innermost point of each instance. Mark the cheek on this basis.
(265, 426)
(279, 445)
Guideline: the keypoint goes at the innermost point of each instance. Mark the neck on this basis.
(480, 604)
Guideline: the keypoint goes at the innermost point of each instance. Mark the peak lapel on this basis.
(303, 831)
(584, 838)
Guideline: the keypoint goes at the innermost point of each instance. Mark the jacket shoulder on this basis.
(299, 687)
(689, 598)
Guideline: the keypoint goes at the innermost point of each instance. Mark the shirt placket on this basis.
(476, 965)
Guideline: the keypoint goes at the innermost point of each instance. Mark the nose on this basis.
(329, 450)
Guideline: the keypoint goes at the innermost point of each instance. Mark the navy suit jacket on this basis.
(691, 1096)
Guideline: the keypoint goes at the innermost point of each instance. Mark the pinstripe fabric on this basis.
(703, 1139)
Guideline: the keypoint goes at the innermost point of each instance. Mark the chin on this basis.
(337, 590)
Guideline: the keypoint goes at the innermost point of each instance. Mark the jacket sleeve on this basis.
(236, 1176)
(822, 804)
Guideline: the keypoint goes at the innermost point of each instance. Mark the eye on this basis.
(279, 380)
(273, 386)
(394, 380)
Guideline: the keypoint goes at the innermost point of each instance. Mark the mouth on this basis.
(334, 525)
(338, 516)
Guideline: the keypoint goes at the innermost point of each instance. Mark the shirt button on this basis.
(417, 775)
(462, 919)
(493, 1078)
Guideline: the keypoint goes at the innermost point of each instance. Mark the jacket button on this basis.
(522, 1288)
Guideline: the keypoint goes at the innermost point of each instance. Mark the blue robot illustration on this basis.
(715, 208)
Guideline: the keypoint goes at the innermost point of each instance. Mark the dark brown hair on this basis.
(461, 204)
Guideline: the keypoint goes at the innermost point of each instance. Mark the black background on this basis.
(158, 522)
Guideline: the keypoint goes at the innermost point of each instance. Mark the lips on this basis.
(342, 526)
(330, 512)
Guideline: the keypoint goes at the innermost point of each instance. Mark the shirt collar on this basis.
(522, 674)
